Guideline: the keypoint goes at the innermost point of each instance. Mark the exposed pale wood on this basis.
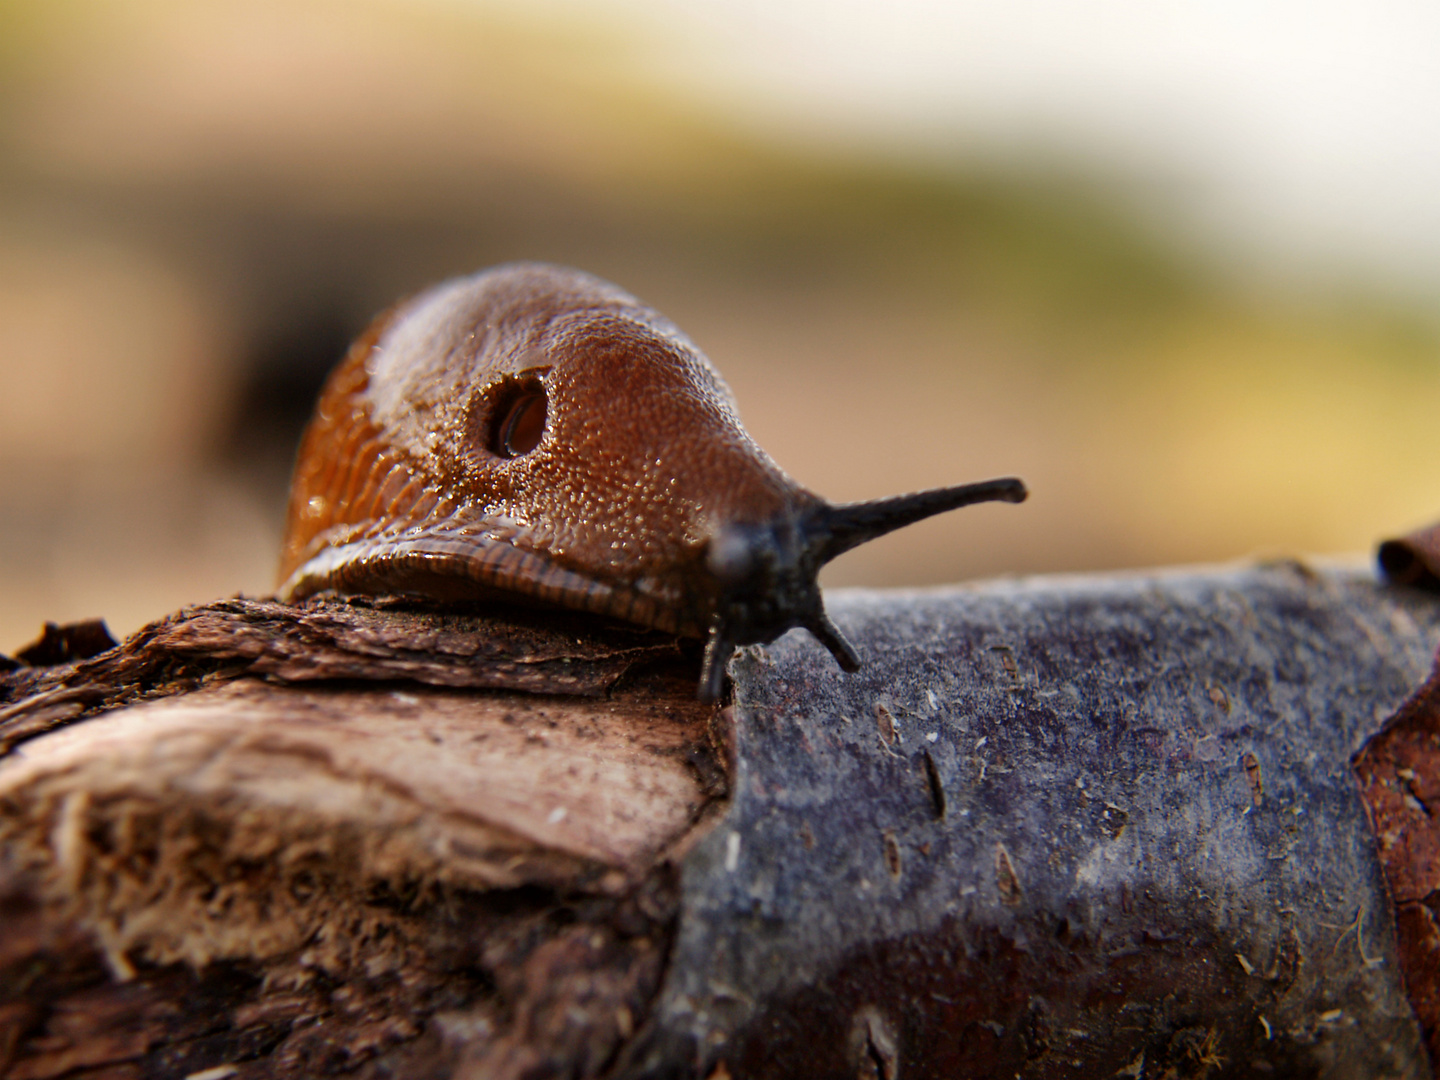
(476, 791)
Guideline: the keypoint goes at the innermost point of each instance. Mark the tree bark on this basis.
(1057, 827)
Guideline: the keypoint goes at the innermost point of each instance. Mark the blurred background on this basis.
(1175, 264)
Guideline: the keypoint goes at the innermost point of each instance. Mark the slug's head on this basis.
(536, 434)
(767, 575)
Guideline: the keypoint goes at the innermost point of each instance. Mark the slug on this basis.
(533, 433)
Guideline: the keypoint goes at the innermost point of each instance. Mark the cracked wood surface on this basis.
(327, 640)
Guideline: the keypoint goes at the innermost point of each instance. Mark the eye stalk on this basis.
(766, 574)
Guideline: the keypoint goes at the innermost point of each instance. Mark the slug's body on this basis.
(535, 433)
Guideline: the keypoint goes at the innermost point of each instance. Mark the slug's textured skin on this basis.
(642, 458)
(643, 498)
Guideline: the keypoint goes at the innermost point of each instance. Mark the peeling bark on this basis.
(1061, 827)
(325, 641)
(1399, 772)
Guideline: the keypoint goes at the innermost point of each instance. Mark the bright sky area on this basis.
(1305, 129)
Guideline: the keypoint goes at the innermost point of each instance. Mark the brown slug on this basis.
(536, 434)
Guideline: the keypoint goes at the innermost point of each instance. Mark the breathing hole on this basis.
(520, 422)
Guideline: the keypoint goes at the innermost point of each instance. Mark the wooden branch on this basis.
(1061, 827)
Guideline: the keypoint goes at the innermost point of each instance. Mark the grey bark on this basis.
(1056, 827)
